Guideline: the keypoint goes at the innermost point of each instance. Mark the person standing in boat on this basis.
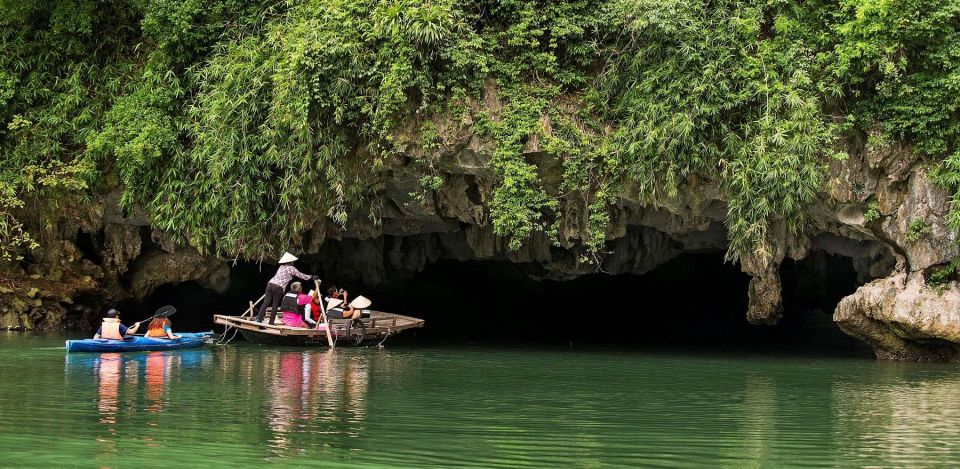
(274, 293)
(111, 328)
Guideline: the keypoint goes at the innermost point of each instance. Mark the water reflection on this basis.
(315, 398)
(122, 379)
(108, 372)
(158, 368)
(913, 414)
(478, 407)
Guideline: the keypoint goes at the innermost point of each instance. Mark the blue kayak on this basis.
(138, 343)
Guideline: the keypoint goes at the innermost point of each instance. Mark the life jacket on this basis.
(110, 329)
(289, 304)
(157, 332)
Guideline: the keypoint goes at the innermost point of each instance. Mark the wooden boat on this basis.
(139, 343)
(377, 328)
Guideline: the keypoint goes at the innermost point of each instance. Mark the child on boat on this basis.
(159, 328)
(311, 307)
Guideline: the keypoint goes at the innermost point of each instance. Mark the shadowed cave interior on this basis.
(694, 300)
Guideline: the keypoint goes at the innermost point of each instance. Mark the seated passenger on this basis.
(111, 328)
(311, 307)
(338, 306)
(292, 308)
(159, 328)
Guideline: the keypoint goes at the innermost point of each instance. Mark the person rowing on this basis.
(274, 293)
(111, 328)
(160, 328)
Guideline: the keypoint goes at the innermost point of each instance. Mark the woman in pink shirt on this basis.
(277, 284)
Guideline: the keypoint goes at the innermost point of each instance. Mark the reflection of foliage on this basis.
(238, 125)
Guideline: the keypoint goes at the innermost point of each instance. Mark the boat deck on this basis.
(376, 327)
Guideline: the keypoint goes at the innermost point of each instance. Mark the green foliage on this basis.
(945, 274)
(698, 93)
(917, 230)
(872, 213)
(58, 76)
(239, 125)
(901, 62)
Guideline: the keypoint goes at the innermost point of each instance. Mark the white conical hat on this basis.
(287, 257)
(360, 302)
(334, 302)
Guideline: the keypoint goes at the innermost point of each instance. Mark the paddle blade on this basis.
(165, 311)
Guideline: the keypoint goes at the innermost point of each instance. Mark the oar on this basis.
(323, 314)
(163, 312)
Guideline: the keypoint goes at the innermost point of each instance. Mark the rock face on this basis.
(904, 319)
(879, 208)
(103, 258)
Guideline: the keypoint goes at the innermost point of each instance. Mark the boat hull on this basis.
(187, 340)
(377, 327)
(294, 340)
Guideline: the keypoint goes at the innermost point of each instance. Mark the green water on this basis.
(455, 406)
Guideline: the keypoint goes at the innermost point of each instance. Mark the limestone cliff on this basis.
(878, 208)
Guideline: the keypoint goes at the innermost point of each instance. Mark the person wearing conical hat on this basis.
(277, 284)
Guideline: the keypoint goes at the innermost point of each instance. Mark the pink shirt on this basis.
(286, 273)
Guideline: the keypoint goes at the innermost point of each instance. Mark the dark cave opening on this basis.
(87, 247)
(691, 301)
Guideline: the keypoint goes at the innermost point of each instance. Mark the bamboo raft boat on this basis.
(377, 327)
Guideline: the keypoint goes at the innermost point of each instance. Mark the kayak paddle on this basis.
(163, 312)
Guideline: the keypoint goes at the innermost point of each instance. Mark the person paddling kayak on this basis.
(274, 293)
(111, 328)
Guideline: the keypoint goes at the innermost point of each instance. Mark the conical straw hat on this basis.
(360, 302)
(287, 257)
(334, 302)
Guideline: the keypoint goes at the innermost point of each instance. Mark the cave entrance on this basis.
(694, 300)
(685, 300)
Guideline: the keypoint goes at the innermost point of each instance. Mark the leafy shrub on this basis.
(917, 230)
(239, 125)
(872, 213)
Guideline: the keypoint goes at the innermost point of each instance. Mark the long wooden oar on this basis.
(323, 315)
(253, 304)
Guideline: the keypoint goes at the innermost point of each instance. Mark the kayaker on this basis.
(159, 328)
(274, 293)
(111, 328)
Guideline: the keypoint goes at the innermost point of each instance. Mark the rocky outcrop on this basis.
(886, 195)
(904, 319)
(104, 257)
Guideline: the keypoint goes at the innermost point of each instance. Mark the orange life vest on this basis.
(110, 329)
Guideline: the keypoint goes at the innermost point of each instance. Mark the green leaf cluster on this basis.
(241, 125)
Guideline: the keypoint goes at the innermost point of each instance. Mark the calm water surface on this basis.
(455, 406)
